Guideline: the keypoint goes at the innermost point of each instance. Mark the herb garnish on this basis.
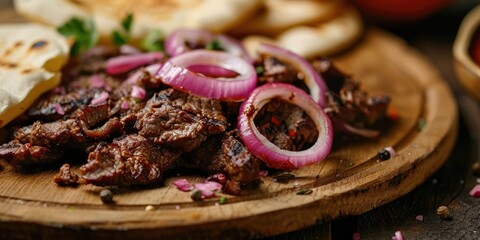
(82, 31)
(123, 36)
(222, 200)
(153, 41)
(214, 45)
(260, 70)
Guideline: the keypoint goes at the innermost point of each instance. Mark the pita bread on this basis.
(166, 15)
(31, 57)
(280, 15)
(321, 39)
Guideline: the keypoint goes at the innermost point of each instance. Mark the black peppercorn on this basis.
(106, 196)
(383, 154)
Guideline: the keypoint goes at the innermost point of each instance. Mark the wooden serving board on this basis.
(350, 181)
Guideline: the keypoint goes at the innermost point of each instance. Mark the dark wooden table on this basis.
(449, 186)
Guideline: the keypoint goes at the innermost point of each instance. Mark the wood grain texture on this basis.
(350, 181)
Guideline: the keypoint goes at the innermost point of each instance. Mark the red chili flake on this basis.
(276, 121)
(393, 114)
(291, 133)
(475, 192)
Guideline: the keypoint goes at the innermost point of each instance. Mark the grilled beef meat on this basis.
(89, 117)
(346, 102)
(285, 125)
(44, 108)
(226, 154)
(59, 133)
(180, 121)
(27, 156)
(129, 160)
(275, 70)
(134, 141)
(65, 176)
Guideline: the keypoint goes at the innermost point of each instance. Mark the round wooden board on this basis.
(350, 181)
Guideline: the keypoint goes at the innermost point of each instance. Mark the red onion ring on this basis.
(213, 71)
(126, 49)
(341, 126)
(125, 63)
(176, 43)
(312, 79)
(152, 69)
(272, 155)
(175, 73)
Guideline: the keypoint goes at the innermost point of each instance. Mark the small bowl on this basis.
(468, 72)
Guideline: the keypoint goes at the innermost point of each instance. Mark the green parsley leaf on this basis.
(153, 41)
(214, 45)
(118, 38)
(223, 200)
(82, 31)
(127, 22)
(260, 70)
(122, 36)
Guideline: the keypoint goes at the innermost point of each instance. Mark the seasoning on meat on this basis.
(65, 176)
(129, 160)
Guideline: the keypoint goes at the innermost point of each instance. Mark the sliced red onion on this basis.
(341, 126)
(178, 42)
(182, 184)
(213, 71)
(263, 173)
(129, 49)
(175, 73)
(218, 177)
(312, 79)
(272, 155)
(152, 69)
(475, 192)
(125, 63)
(233, 46)
(208, 189)
(99, 98)
(96, 81)
(125, 105)
(398, 236)
(138, 92)
(58, 108)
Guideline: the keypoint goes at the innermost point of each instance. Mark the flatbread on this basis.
(321, 39)
(166, 15)
(31, 57)
(280, 15)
